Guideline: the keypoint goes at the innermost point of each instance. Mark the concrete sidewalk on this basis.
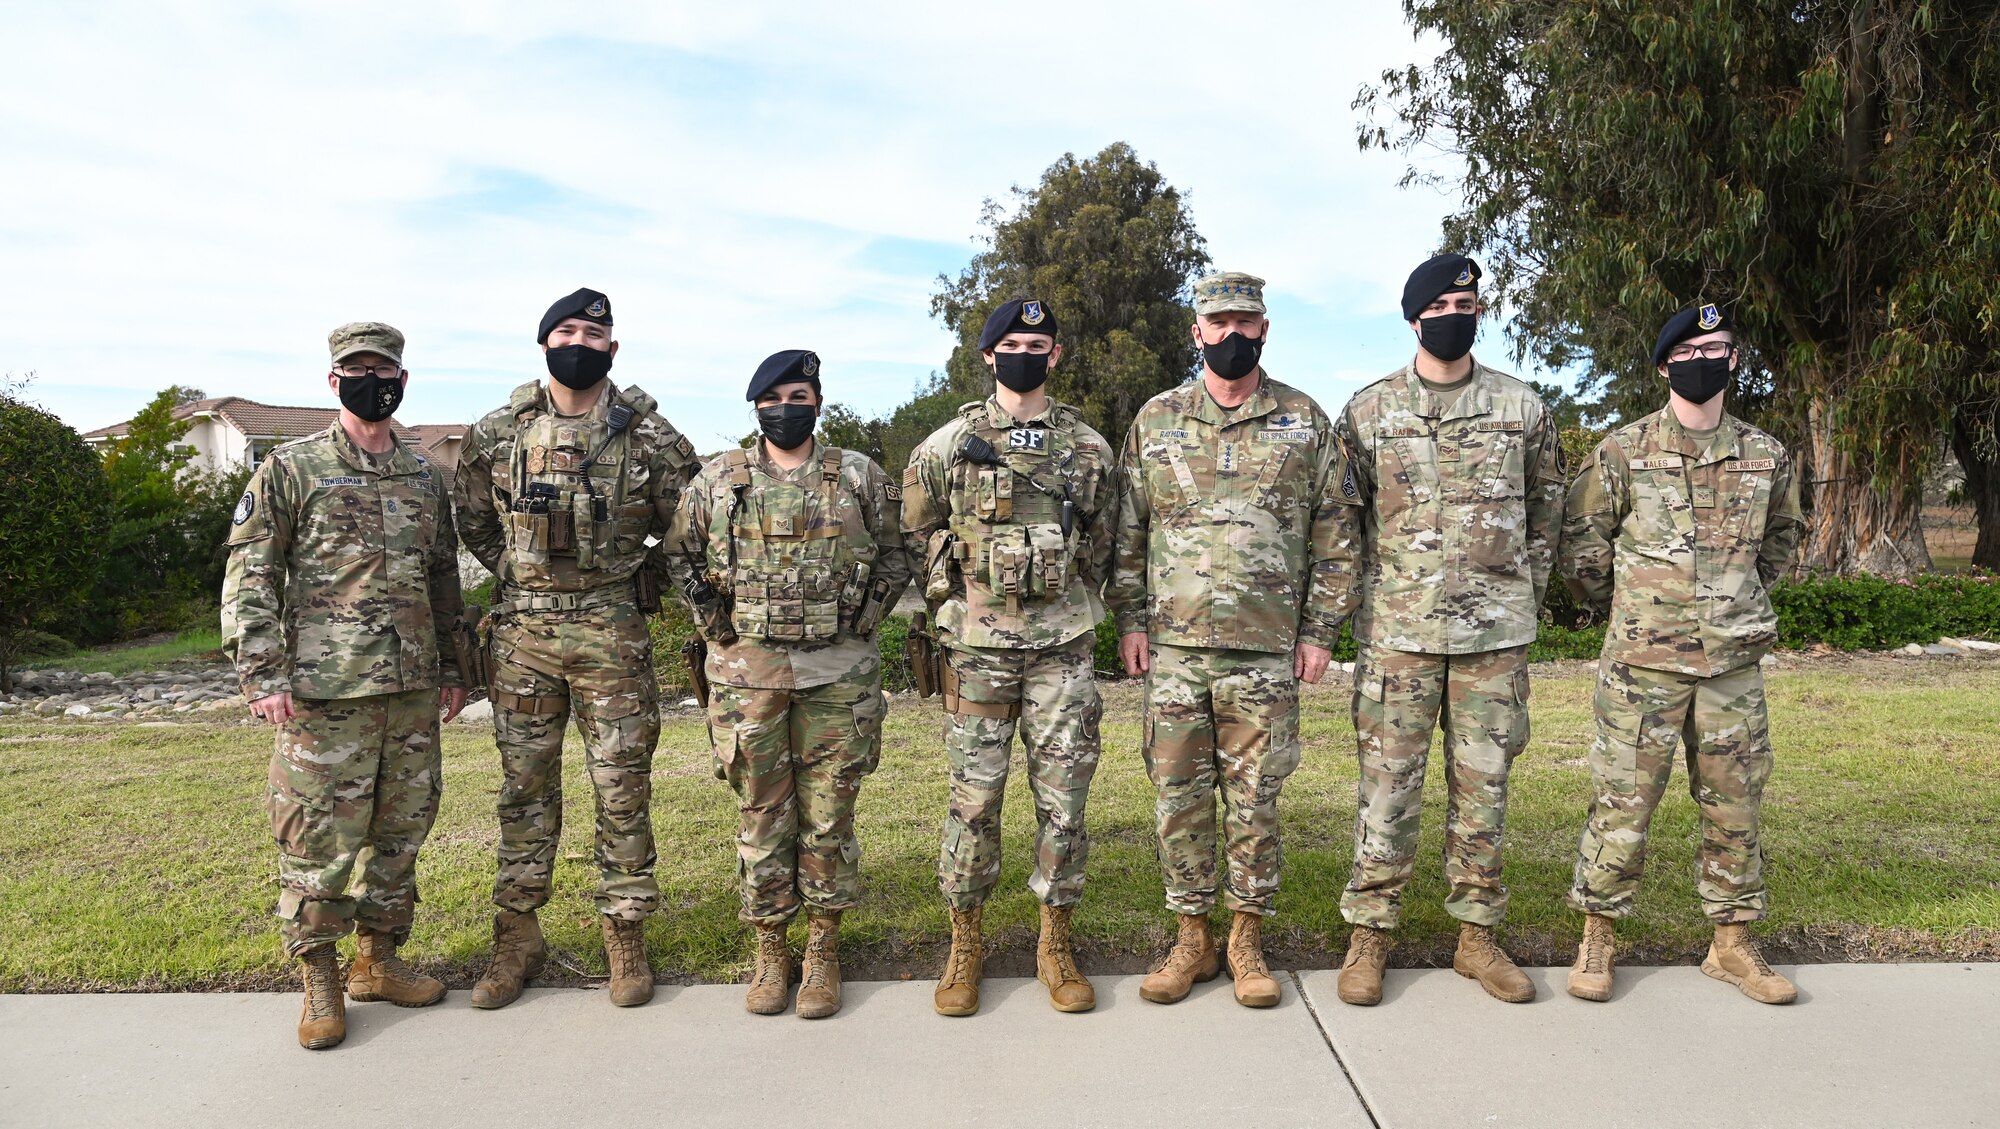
(1877, 1045)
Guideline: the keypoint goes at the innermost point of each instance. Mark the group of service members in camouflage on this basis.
(1231, 536)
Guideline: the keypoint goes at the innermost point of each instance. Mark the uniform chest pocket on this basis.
(346, 523)
(1170, 470)
(1661, 519)
(1494, 452)
(1405, 461)
(1748, 495)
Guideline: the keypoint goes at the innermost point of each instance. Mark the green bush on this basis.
(1865, 612)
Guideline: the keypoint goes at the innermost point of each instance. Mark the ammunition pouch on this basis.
(646, 586)
(939, 562)
(874, 606)
(694, 653)
(955, 704)
(920, 648)
(712, 613)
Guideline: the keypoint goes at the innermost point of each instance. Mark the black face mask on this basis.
(787, 426)
(1234, 357)
(578, 366)
(1022, 372)
(1448, 336)
(1698, 379)
(373, 398)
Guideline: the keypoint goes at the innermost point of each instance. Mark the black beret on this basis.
(1691, 322)
(1440, 274)
(784, 367)
(1022, 315)
(588, 304)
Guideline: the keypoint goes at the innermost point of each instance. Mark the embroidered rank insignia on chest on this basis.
(339, 480)
(246, 507)
(1028, 439)
(1738, 466)
(391, 506)
(1663, 462)
(1225, 459)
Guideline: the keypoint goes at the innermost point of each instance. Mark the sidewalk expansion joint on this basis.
(1299, 985)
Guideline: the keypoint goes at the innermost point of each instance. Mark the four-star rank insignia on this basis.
(809, 364)
(595, 309)
(1710, 317)
(1032, 313)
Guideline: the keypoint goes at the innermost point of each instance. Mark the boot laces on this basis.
(772, 955)
(1368, 944)
(627, 945)
(1596, 956)
(1246, 955)
(1061, 954)
(817, 960)
(1186, 954)
(1753, 954)
(961, 952)
(321, 990)
(1484, 947)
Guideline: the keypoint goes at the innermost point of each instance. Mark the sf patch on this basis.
(245, 507)
(1028, 439)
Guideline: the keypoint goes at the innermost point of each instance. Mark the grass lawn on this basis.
(138, 858)
(126, 658)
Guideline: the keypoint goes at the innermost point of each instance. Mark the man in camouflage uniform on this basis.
(1678, 527)
(1461, 467)
(1237, 532)
(1012, 502)
(557, 493)
(338, 603)
(790, 555)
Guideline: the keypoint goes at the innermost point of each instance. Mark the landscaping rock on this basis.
(479, 712)
(1945, 650)
(1912, 649)
(78, 710)
(1974, 645)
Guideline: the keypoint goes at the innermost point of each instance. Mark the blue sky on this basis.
(196, 193)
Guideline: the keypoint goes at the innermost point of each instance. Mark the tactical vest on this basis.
(1007, 521)
(798, 555)
(568, 481)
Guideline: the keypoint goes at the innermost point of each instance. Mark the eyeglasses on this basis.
(358, 371)
(1709, 350)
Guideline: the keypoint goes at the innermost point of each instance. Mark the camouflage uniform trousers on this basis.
(1480, 701)
(1721, 725)
(1228, 717)
(351, 773)
(1055, 692)
(795, 759)
(598, 664)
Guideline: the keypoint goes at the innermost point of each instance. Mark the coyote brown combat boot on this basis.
(323, 1018)
(1590, 979)
(1734, 958)
(1193, 960)
(1255, 986)
(771, 979)
(1055, 964)
(379, 974)
(1361, 972)
(1480, 958)
(819, 980)
(518, 954)
(625, 951)
(958, 989)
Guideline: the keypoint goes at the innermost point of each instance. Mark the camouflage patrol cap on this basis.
(366, 337)
(1230, 290)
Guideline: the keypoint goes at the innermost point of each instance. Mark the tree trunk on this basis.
(1854, 528)
(1974, 441)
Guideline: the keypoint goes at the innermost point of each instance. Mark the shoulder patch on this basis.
(892, 491)
(245, 507)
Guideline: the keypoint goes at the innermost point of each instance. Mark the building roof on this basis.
(286, 421)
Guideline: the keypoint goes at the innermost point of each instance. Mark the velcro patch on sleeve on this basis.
(911, 476)
(1737, 466)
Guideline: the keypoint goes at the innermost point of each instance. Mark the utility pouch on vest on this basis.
(528, 535)
(1051, 560)
(711, 610)
(854, 588)
(874, 607)
(939, 561)
(583, 529)
(561, 531)
(1010, 564)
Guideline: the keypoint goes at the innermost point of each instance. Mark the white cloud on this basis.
(197, 192)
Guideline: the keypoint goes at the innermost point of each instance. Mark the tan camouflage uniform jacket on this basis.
(1682, 539)
(952, 517)
(1238, 528)
(825, 559)
(1464, 512)
(342, 579)
(646, 468)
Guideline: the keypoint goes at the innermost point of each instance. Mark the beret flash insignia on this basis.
(1464, 276)
(595, 309)
(1032, 313)
(1710, 316)
(809, 364)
